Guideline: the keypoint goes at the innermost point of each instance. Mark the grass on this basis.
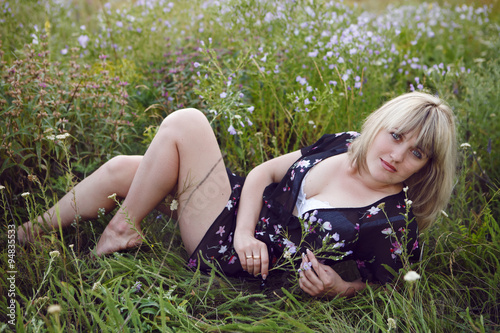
(261, 70)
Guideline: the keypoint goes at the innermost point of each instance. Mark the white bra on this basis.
(304, 205)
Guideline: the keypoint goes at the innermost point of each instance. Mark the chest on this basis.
(331, 181)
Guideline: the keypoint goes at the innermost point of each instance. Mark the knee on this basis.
(119, 168)
(184, 121)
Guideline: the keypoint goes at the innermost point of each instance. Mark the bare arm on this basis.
(252, 252)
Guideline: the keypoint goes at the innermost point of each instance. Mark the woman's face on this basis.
(392, 158)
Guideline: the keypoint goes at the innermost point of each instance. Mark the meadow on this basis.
(84, 81)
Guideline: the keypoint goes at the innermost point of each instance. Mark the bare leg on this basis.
(185, 155)
(115, 176)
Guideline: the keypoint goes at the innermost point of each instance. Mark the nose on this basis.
(397, 153)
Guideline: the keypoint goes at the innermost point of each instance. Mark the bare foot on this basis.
(118, 236)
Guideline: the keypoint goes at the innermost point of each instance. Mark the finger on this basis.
(264, 262)
(306, 285)
(311, 272)
(246, 261)
(259, 255)
(256, 258)
(312, 259)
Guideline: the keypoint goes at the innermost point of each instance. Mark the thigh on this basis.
(203, 185)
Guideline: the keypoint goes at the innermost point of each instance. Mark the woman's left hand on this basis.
(319, 280)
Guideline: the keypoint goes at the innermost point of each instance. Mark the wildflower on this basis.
(444, 213)
(306, 101)
(223, 95)
(196, 64)
(465, 145)
(381, 205)
(327, 226)
(112, 196)
(231, 130)
(411, 276)
(54, 309)
(137, 286)
(387, 231)
(174, 205)
(287, 255)
(250, 109)
(71, 246)
(62, 136)
(192, 263)
(54, 254)
(408, 202)
(2, 187)
(96, 286)
(64, 51)
(405, 189)
(391, 323)
(83, 40)
(25, 194)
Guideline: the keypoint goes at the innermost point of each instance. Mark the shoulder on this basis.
(331, 142)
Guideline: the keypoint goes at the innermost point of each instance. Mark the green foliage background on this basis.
(145, 59)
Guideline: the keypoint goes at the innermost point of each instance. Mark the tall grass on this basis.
(82, 82)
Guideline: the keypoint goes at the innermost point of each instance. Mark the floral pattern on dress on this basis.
(366, 235)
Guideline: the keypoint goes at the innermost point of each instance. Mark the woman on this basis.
(348, 196)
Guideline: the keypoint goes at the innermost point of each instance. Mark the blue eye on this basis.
(396, 136)
(417, 153)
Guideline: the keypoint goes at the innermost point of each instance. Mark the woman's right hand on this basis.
(253, 254)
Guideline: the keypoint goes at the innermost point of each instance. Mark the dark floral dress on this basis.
(375, 236)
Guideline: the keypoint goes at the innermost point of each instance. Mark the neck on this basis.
(365, 179)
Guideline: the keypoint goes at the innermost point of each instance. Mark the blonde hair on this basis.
(430, 188)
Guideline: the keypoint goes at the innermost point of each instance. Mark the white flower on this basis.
(287, 255)
(408, 202)
(174, 205)
(411, 276)
(62, 136)
(465, 145)
(54, 254)
(405, 189)
(112, 196)
(444, 213)
(2, 187)
(71, 246)
(223, 249)
(96, 286)
(327, 226)
(374, 210)
(54, 309)
(336, 237)
(391, 323)
(25, 194)
(387, 231)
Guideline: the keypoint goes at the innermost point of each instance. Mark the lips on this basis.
(387, 166)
